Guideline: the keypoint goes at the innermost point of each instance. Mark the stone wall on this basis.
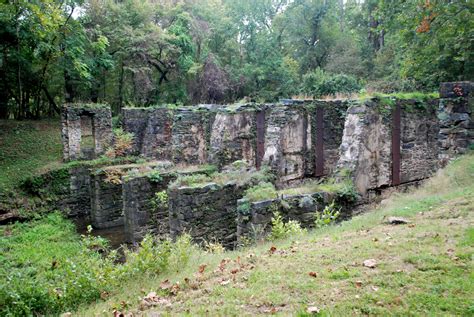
(286, 141)
(254, 218)
(367, 151)
(140, 215)
(190, 140)
(223, 134)
(207, 213)
(71, 132)
(106, 201)
(456, 119)
(233, 138)
(419, 140)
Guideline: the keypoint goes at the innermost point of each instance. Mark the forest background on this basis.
(144, 53)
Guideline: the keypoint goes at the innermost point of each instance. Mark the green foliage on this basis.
(155, 176)
(318, 83)
(190, 180)
(143, 53)
(328, 216)
(261, 191)
(123, 142)
(243, 206)
(160, 201)
(47, 269)
(282, 230)
(27, 147)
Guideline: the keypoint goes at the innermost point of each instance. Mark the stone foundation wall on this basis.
(106, 202)
(367, 151)
(140, 215)
(286, 142)
(419, 140)
(223, 134)
(76, 202)
(456, 119)
(207, 213)
(233, 138)
(254, 220)
(190, 140)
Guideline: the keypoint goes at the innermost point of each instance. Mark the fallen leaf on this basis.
(272, 249)
(374, 288)
(313, 274)
(202, 267)
(312, 310)
(370, 263)
(358, 284)
(118, 313)
(234, 271)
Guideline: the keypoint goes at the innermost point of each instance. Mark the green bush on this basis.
(319, 83)
(46, 268)
(190, 180)
(328, 216)
(282, 230)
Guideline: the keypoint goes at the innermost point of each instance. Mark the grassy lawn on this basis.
(26, 147)
(422, 268)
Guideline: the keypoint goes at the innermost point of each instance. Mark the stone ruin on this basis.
(379, 143)
(79, 120)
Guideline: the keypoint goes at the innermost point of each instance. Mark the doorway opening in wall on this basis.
(87, 138)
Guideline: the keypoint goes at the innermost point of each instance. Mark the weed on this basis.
(328, 216)
(214, 247)
(282, 230)
(123, 142)
(155, 176)
(262, 191)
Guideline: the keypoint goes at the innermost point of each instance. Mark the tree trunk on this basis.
(120, 87)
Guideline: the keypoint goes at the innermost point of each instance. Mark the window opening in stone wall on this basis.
(87, 138)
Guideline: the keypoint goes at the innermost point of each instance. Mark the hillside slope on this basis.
(26, 147)
(420, 268)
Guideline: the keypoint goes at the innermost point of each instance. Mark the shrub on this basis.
(46, 269)
(319, 83)
(328, 216)
(155, 176)
(214, 247)
(190, 180)
(281, 230)
(262, 191)
(123, 142)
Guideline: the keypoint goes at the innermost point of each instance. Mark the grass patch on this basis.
(239, 177)
(46, 268)
(26, 147)
(423, 268)
(261, 191)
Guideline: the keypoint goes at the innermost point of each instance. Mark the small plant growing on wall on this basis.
(328, 216)
(160, 201)
(155, 176)
(123, 142)
(282, 230)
